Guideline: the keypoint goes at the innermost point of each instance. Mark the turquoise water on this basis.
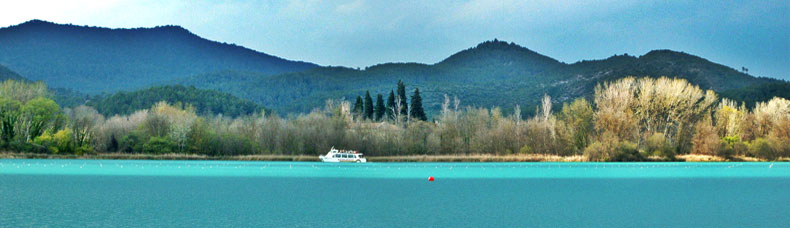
(112, 193)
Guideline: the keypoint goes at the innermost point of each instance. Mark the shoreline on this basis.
(402, 158)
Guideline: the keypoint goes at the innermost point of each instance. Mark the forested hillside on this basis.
(493, 73)
(203, 101)
(759, 93)
(93, 59)
(80, 61)
(6, 74)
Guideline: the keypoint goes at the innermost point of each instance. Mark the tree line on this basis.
(397, 107)
(630, 119)
(204, 101)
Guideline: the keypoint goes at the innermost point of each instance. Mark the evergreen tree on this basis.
(380, 109)
(390, 105)
(357, 110)
(402, 94)
(416, 106)
(368, 106)
(113, 144)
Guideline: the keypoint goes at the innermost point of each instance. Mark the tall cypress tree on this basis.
(357, 110)
(368, 106)
(390, 106)
(380, 109)
(403, 102)
(416, 106)
(113, 144)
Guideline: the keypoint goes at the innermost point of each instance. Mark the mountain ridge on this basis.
(491, 73)
(79, 56)
(6, 74)
(505, 78)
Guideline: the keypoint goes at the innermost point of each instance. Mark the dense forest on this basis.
(756, 93)
(629, 119)
(205, 102)
(93, 59)
(84, 60)
(494, 73)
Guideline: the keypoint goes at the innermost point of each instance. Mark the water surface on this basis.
(102, 193)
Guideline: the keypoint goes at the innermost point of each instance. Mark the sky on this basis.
(360, 33)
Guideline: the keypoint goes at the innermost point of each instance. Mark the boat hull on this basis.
(336, 160)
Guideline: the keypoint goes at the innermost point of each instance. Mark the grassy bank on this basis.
(405, 158)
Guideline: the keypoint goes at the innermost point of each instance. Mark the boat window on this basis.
(336, 156)
(343, 156)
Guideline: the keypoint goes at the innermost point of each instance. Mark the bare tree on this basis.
(396, 110)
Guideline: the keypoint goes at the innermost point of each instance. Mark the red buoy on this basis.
(430, 178)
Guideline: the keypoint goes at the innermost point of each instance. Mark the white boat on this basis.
(335, 155)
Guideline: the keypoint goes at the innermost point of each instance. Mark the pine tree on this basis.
(390, 106)
(113, 144)
(380, 109)
(403, 102)
(368, 106)
(416, 106)
(357, 110)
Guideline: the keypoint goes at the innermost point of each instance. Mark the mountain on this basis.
(94, 59)
(204, 101)
(90, 60)
(6, 74)
(493, 73)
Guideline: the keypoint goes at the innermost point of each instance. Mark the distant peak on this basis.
(499, 52)
(170, 27)
(37, 21)
(662, 51)
(670, 54)
(497, 44)
(666, 52)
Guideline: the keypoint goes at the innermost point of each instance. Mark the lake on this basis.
(113, 193)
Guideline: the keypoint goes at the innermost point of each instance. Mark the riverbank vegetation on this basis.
(632, 119)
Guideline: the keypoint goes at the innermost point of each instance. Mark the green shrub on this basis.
(133, 142)
(159, 145)
(597, 151)
(657, 145)
(64, 141)
(20, 146)
(735, 144)
(84, 149)
(47, 140)
(762, 148)
(525, 150)
(741, 148)
(781, 146)
(626, 151)
(726, 150)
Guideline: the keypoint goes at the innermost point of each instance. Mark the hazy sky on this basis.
(360, 33)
